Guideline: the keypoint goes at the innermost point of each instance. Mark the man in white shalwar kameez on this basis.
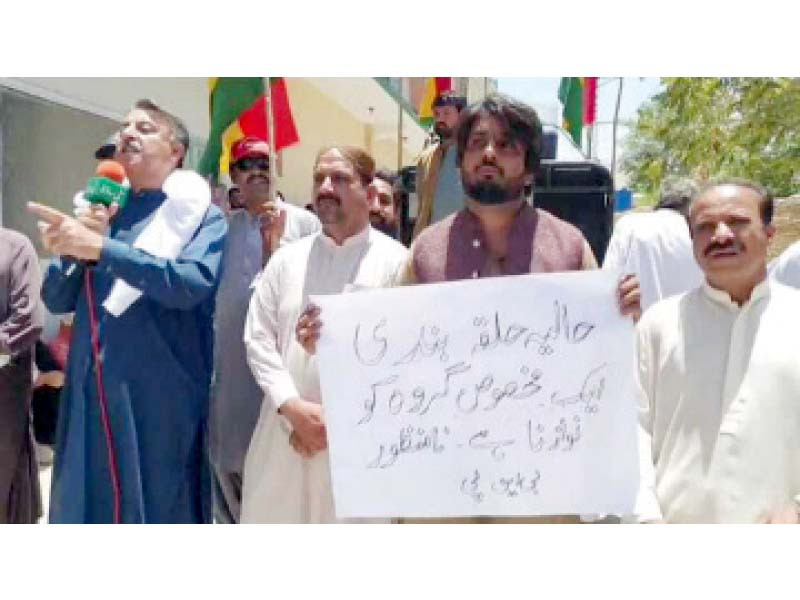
(656, 245)
(786, 268)
(286, 472)
(719, 377)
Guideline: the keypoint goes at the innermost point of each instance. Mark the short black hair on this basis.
(522, 122)
(179, 131)
(388, 176)
(450, 99)
(766, 203)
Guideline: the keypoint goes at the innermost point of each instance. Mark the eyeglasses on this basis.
(252, 162)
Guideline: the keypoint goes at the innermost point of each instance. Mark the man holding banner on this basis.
(286, 471)
(498, 232)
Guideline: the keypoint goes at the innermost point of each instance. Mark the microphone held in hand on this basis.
(106, 186)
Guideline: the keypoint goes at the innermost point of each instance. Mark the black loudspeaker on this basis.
(581, 193)
(549, 144)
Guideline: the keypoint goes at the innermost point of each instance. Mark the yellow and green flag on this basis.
(238, 108)
(433, 87)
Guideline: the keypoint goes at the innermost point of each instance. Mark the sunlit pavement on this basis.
(44, 457)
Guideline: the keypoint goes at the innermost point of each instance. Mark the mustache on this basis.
(714, 246)
(329, 196)
(490, 163)
(124, 146)
(257, 175)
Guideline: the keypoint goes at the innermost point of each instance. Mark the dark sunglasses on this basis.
(252, 162)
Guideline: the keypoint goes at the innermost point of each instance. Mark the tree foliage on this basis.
(705, 128)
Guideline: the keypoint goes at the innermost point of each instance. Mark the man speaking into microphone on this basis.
(141, 278)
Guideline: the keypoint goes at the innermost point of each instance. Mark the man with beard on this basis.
(131, 440)
(384, 209)
(438, 180)
(719, 376)
(497, 232)
(286, 473)
(254, 234)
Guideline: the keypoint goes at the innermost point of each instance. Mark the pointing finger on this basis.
(46, 213)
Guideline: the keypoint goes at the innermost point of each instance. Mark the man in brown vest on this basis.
(498, 232)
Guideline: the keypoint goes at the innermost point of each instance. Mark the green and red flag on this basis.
(579, 97)
(238, 108)
(433, 87)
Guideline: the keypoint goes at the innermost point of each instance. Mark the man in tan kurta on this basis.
(21, 319)
(438, 183)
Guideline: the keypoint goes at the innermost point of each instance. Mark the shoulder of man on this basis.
(388, 244)
(784, 293)
(14, 240)
(290, 258)
(301, 215)
(213, 216)
(665, 314)
(560, 225)
(426, 156)
(786, 262)
(429, 251)
(435, 233)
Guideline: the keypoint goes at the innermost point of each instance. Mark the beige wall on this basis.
(326, 111)
(322, 121)
(319, 122)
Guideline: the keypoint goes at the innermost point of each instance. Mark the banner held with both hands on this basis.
(507, 396)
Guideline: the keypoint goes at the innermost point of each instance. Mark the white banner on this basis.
(505, 396)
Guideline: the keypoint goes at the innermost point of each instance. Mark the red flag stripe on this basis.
(589, 100)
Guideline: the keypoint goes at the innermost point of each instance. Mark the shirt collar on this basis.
(359, 239)
(723, 298)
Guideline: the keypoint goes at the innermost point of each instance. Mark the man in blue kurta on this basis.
(137, 453)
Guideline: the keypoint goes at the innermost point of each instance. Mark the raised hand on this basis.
(65, 235)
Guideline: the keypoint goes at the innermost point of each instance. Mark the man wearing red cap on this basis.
(254, 233)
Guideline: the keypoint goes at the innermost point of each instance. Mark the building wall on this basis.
(48, 155)
(319, 122)
(53, 125)
(322, 120)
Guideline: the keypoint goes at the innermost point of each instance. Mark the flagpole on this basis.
(273, 166)
(614, 132)
(589, 141)
(399, 133)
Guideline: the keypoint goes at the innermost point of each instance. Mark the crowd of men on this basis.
(192, 393)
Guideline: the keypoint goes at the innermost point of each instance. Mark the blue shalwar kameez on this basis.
(157, 362)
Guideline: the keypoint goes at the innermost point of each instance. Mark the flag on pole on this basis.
(238, 108)
(578, 95)
(433, 87)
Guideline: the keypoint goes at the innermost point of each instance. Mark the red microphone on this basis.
(112, 170)
(106, 187)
